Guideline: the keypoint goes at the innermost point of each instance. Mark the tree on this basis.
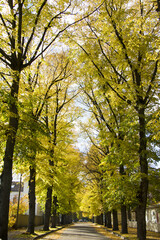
(13, 210)
(158, 6)
(22, 42)
(93, 189)
(65, 176)
(110, 119)
(62, 98)
(127, 48)
(34, 107)
(41, 109)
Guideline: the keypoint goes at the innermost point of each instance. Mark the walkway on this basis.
(78, 231)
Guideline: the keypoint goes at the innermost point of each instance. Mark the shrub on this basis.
(23, 207)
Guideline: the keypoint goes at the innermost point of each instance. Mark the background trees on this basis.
(22, 42)
(120, 45)
(116, 56)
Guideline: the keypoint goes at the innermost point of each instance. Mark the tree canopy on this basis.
(69, 72)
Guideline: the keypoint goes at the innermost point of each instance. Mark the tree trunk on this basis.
(6, 177)
(124, 219)
(58, 220)
(115, 220)
(62, 219)
(108, 222)
(123, 207)
(31, 200)
(129, 214)
(64, 222)
(19, 196)
(100, 219)
(142, 193)
(54, 212)
(141, 223)
(0, 208)
(158, 6)
(68, 218)
(48, 209)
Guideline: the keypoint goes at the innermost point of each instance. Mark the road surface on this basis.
(78, 231)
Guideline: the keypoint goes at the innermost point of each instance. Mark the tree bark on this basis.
(63, 221)
(19, 196)
(48, 209)
(48, 204)
(108, 222)
(53, 220)
(54, 212)
(58, 220)
(6, 177)
(100, 219)
(115, 220)
(143, 190)
(141, 222)
(124, 219)
(31, 200)
(123, 208)
(158, 6)
(129, 214)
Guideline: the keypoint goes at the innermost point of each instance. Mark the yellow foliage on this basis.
(23, 206)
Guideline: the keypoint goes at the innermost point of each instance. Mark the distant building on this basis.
(15, 187)
(152, 218)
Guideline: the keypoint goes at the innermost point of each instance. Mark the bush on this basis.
(23, 207)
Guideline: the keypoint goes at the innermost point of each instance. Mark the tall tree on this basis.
(127, 48)
(62, 98)
(22, 42)
(93, 189)
(37, 100)
(110, 124)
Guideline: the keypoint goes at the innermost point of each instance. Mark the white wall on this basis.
(24, 193)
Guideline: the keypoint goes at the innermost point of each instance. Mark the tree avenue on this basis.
(107, 64)
(121, 45)
(25, 35)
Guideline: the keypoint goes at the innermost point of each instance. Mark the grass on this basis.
(25, 235)
(132, 234)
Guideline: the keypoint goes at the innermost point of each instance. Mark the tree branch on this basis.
(119, 38)
(152, 80)
(93, 100)
(5, 26)
(114, 115)
(2, 75)
(102, 75)
(36, 54)
(19, 33)
(4, 61)
(5, 55)
(34, 28)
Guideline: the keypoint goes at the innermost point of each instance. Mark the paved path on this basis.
(78, 231)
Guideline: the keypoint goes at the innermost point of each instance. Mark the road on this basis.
(78, 231)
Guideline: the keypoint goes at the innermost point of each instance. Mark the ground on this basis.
(21, 233)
